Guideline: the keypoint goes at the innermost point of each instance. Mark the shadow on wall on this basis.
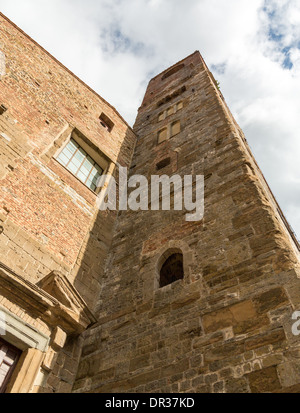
(88, 274)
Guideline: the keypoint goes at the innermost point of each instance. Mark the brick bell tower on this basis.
(197, 306)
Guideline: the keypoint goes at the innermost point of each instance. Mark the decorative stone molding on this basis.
(57, 306)
(21, 334)
(76, 316)
(54, 300)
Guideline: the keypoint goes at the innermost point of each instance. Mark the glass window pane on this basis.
(82, 176)
(72, 146)
(93, 173)
(73, 168)
(63, 159)
(95, 179)
(80, 155)
(99, 169)
(92, 187)
(76, 162)
(88, 158)
(89, 180)
(85, 171)
(88, 164)
(67, 153)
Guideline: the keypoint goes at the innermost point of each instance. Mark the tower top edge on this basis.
(196, 53)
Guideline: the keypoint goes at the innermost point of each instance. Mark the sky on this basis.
(251, 46)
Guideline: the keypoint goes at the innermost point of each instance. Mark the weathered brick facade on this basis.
(87, 282)
(48, 217)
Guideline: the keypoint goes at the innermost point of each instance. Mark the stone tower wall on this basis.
(226, 327)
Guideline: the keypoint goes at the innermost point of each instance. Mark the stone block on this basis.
(264, 381)
(265, 339)
(270, 300)
(59, 338)
(228, 316)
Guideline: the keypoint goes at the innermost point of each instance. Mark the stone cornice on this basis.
(54, 300)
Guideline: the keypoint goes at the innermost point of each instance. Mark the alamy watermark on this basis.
(296, 325)
(139, 194)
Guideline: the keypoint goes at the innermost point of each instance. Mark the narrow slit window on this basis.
(80, 164)
(163, 164)
(106, 123)
(172, 270)
(2, 109)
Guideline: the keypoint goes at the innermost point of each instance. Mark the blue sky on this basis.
(252, 47)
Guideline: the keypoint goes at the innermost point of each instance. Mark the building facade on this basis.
(136, 301)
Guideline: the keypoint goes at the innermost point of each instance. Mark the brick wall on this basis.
(47, 216)
(46, 212)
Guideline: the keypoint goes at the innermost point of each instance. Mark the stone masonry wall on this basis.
(226, 327)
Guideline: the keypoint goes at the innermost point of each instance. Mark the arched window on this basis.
(171, 270)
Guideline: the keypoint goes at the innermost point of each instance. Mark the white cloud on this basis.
(253, 47)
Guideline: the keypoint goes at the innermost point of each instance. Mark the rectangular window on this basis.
(170, 111)
(80, 164)
(106, 123)
(179, 106)
(162, 164)
(175, 128)
(162, 135)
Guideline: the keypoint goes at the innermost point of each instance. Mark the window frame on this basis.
(86, 157)
(94, 152)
